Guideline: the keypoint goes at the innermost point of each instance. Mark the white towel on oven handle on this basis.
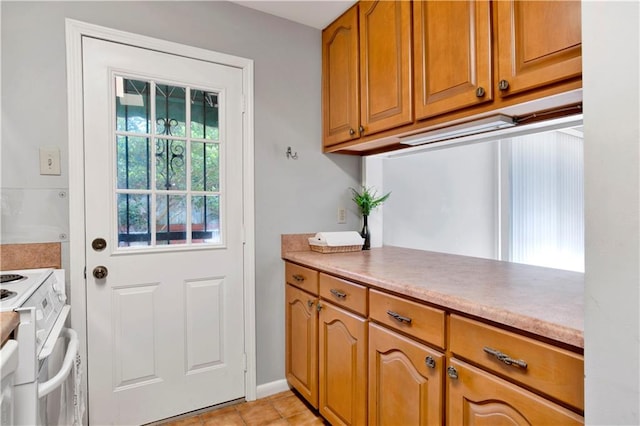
(72, 406)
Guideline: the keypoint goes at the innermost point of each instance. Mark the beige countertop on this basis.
(541, 301)
(8, 322)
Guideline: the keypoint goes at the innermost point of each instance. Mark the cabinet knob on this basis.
(480, 92)
(298, 278)
(309, 303)
(452, 372)
(361, 129)
(503, 85)
(430, 362)
(352, 132)
(319, 307)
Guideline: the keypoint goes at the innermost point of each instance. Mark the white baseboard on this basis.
(271, 388)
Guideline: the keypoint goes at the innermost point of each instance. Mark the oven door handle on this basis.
(69, 358)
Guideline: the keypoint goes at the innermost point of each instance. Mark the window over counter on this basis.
(516, 194)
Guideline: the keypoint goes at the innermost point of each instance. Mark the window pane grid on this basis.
(168, 188)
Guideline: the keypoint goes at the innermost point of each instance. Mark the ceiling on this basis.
(314, 13)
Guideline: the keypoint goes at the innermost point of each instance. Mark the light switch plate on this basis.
(342, 215)
(50, 161)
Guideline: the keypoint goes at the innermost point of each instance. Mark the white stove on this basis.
(38, 295)
(40, 289)
(17, 286)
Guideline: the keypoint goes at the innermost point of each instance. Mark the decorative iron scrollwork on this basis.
(169, 153)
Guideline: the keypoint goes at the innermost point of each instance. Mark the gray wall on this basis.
(291, 196)
(444, 199)
(611, 58)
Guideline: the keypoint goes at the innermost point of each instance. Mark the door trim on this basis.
(75, 30)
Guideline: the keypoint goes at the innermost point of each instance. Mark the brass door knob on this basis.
(100, 272)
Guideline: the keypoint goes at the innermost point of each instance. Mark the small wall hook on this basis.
(292, 155)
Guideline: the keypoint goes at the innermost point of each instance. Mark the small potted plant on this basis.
(367, 200)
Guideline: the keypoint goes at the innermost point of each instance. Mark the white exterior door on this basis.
(163, 195)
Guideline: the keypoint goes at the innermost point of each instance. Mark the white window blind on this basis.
(546, 195)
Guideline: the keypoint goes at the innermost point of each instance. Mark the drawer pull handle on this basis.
(399, 317)
(339, 294)
(505, 358)
(430, 362)
(298, 278)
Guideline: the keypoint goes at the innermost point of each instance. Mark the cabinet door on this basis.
(340, 79)
(452, 54)
(385, 65)
(301, 365)
(539, 43)
(479, 398)
(343, 366)
(405, 380)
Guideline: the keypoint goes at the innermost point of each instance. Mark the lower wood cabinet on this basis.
(476, 397)
(301, 337)
(342, 366)
(365, 357)
(405, 380)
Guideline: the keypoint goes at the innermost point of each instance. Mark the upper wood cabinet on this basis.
(385, 63)
(539, 43)
(452, 54)
(340, 79)
(419, 65)
(366, 71)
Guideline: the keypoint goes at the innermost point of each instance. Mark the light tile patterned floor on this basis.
(281, 409)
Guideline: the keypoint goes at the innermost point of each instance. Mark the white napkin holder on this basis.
(336, 242)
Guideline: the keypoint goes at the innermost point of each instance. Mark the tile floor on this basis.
(285, 408)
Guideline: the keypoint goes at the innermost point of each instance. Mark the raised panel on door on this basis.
(135, 318)
(343, 366)
(204, 320)
(539, 43)
(386, 94)
(405, 380)
(452, 55)
(340, 79)
(301, 354)
(478, 398)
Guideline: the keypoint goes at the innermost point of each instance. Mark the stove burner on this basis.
(9, 278)
(6, 294)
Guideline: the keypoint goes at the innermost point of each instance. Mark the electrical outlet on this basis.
(50, 161)
(342, 215)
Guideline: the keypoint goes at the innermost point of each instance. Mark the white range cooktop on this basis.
(20, 289)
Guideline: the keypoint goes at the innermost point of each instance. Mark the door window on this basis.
(169, 156)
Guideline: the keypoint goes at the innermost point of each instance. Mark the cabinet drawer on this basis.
(344, 293)
(420, 321)
(301, 277)
(554, 371)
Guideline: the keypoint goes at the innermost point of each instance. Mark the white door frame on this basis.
(75, 30)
